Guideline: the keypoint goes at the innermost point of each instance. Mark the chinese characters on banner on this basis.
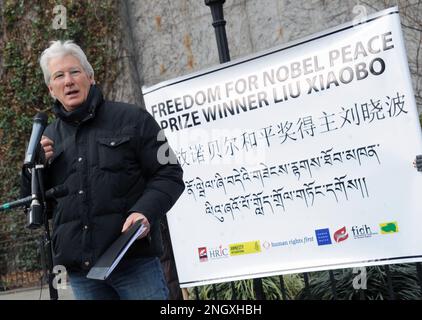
(296, 159)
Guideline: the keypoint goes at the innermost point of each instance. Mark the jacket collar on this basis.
(84, 112)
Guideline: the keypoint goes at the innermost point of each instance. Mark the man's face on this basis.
(69, 83)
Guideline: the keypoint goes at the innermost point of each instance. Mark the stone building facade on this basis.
(166, 39)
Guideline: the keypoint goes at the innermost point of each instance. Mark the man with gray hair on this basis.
(106, 154)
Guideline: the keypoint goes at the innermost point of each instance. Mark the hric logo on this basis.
(202, 252)
(340, 235)
(218, 253)
(360, 232)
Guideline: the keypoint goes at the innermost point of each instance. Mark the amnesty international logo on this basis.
(389, 227)
(237, 249)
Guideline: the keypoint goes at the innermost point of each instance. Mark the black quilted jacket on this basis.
(106, 154)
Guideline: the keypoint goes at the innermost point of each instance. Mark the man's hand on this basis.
(48, 146)
(135, 216)
(417, 163)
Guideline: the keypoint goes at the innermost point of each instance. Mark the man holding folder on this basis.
(109, 156)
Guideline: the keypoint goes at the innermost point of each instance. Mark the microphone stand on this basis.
(37, 216)
(45, 245)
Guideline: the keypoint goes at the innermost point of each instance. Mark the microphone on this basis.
(35, 216)
(40, 122)
(36, 209)
(53, 193)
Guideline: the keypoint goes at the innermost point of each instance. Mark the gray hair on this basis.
(60, 49)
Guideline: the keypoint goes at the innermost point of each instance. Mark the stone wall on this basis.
(174, 38)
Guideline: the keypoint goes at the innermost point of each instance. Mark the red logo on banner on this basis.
(202, 252)
(340, 235)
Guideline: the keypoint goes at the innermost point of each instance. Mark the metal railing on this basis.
(20, 265)
(388, 283)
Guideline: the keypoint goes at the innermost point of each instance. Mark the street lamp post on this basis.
(219, 25)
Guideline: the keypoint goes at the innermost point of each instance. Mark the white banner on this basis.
(296, 159)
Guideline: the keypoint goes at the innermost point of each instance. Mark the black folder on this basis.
(112, 256)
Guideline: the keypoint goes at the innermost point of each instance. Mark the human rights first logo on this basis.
(323, 236)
